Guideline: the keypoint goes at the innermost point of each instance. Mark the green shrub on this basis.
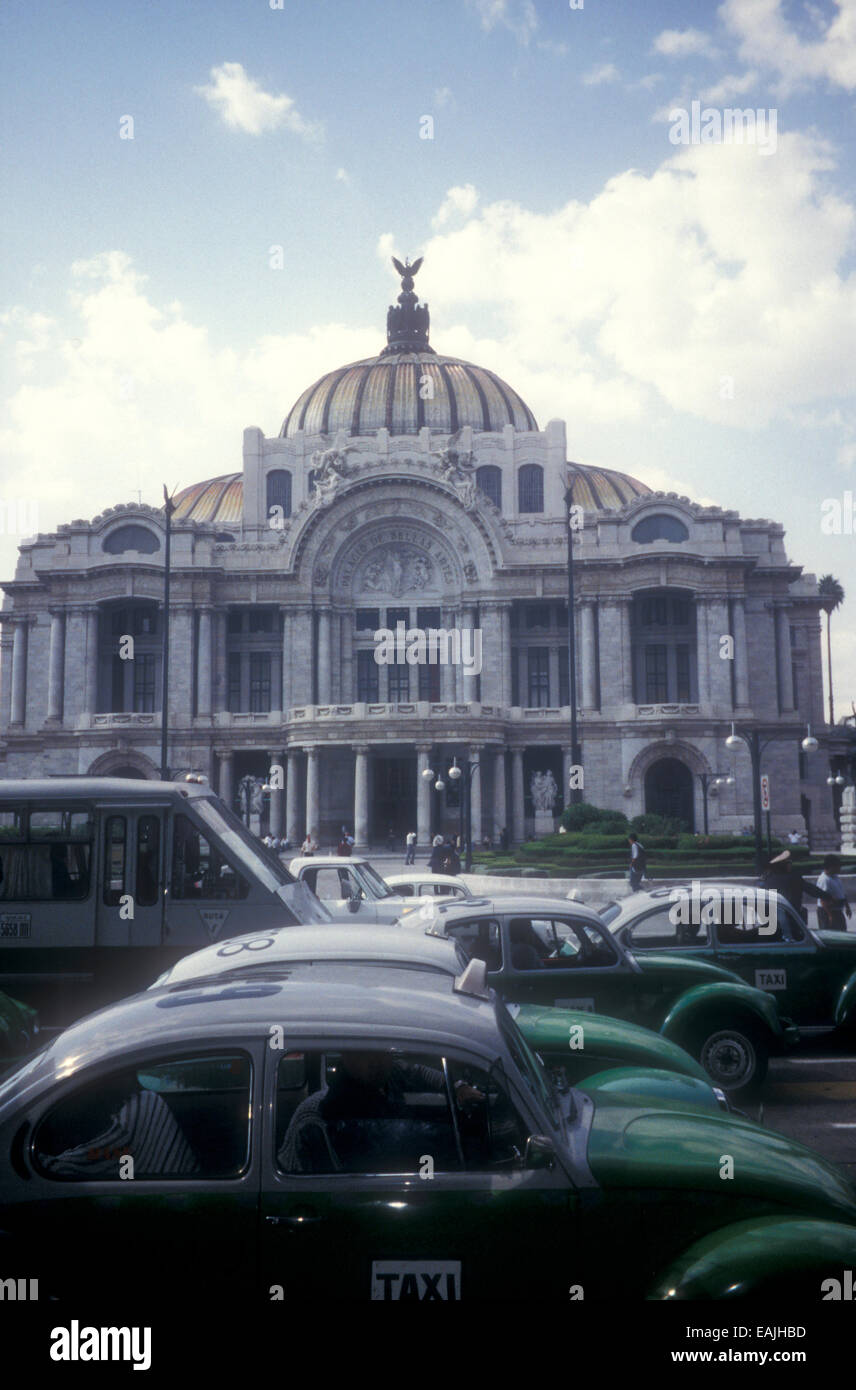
(575, 817)
(651, 824)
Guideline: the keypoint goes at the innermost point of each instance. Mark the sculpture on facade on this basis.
(457, 469)
(544, 792)
(331, 470)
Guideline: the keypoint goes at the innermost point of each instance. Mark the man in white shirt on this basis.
(410, 856)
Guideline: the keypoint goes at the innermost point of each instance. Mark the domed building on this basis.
(415, 493)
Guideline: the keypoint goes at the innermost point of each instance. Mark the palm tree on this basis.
(832, 596)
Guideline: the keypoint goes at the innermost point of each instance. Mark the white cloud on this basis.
(460, 201)
(607, 72)
(245, 106)
(767, 39)
(558, 49)
(124, 393)
(720, 264)
(728, 87)
(682, 43)
(342, 176)
(519, 16)
(442, 96)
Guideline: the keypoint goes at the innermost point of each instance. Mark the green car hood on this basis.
(548, 1030)
(679, 969)
(632, 1145)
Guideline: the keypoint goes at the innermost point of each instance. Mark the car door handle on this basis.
(300, 1218)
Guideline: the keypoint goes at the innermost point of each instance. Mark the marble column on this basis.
(226, 787)
(219, 639)
(447, 671)
(204, 673)
(56, 658)
(348, 684)
(783, 656)
(741, 653)
(476, 797)
(423, 794)
(361, 796)
(300, 658)
(313, 808)
(490, 622)
(500, 821)
(468, 684)
(588, 618)
(703, 654)
(720, 667)
(325, 689)
(6, 675)
(19, 672)
(292, 810)
(505, 652)
(625, 610)
(277, 795)
(518, 832)
(285, 696)
(180, 645)
(90, 669)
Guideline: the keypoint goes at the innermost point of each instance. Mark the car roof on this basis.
(317, 1000)
(646, 900)
(342, 942)
(445, 880)
(97, 788)
(532, 905)
(340, 860)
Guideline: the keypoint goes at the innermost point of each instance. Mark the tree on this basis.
(832, 596)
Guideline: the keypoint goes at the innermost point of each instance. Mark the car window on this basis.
(657, 931)
(480, 939)
(533, 941)
(199, 869)
(329, 882)
(183, 1118)
(372, 1111)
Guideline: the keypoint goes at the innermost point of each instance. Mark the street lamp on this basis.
(455, 774)
(711, 780)
(571, 519)
(753, 740)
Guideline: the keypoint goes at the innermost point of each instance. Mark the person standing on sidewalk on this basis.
(831, 915)
(410, 856)
(638, 863)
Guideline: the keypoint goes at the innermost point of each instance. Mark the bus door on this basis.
(129, 910)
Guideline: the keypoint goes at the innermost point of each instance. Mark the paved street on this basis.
(811, 1097)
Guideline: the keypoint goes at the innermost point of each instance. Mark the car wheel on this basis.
(735, 1057)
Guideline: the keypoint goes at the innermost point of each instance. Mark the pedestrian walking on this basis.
(783, 877)
(410, 856)
(831, 915)
(638, 862)
(309, 846)
(438, 855)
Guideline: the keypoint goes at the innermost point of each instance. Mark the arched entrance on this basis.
(669, 791)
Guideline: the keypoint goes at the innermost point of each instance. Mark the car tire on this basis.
(734, 1055)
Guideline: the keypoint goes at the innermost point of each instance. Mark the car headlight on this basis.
(724, 1103)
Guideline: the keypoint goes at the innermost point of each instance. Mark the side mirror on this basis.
(354, 901)
(540, 1152)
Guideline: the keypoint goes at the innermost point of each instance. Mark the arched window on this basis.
(131, 537)
(530, 488)
(279, 491)
(660, 527)
(489, 480)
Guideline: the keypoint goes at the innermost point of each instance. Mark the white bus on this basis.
(105, 882)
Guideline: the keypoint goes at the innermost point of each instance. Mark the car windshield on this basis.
(532, 1070)
(253, 856)
(371, 882)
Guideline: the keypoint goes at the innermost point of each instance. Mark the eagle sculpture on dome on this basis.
(407, 271)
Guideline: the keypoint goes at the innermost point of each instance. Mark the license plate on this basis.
(416, 1281)
(16, 925)
(771, 979)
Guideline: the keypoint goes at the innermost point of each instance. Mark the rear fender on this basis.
(845, 1005)
(723, 1001)
(747, 1259)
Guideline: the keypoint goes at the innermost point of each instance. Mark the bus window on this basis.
(199, 869)
(148, 860)
(52, 862)
(115, 848)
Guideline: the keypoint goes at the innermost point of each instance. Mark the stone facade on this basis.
(686, 618)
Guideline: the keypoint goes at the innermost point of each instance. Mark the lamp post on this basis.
(428, 775)
(712, 779)
(169, 508)
(571, 526)
(756, 741)
(455, 774)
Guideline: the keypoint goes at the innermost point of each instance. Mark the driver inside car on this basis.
(362, 1117)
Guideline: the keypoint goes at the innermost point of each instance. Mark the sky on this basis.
(201, 201)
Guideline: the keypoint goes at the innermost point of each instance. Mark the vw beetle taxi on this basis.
(549, 951)
(311, 1137)
(755, 933)
(573, 1046)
